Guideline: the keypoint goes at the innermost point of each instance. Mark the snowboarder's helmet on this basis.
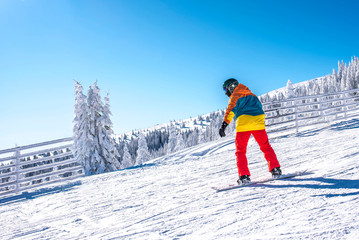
(229, 85)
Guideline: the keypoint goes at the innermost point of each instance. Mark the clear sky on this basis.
(160, 60)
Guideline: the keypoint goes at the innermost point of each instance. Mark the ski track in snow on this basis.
(171, 197)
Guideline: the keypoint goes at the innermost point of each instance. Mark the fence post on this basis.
(17, 168)
(344, 106)
(296, 117)
(321, 113)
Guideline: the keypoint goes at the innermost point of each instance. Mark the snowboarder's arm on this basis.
(228, 116)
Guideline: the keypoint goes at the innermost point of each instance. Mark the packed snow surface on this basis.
(171, 197)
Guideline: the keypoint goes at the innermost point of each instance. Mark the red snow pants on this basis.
(262, 139)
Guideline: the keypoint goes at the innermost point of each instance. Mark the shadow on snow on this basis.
(323, 183)
(350, 124)
(38, 193)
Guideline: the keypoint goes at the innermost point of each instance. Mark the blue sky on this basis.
(160, 60)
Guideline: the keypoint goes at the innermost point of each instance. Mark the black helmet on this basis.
(229, 85)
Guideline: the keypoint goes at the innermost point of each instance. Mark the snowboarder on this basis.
(249, 115)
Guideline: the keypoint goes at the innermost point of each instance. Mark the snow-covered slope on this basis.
(171, 197)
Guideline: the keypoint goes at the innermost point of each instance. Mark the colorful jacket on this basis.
(247, 110)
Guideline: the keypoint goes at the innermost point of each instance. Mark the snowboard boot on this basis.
(276, 172)
(243, 180)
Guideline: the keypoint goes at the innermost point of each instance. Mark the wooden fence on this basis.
(33, 166)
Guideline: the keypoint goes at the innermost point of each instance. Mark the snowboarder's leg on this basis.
(241, 144)
(262, 139)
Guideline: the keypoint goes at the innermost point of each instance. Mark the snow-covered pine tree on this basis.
(351, 83)
(172, 139)
(192, 137)
(201, 136)
(290, 89)
(316, 88)
(143, 155)
(110, 152)
(343, 79)
(334, 76)
(325, 85)
(335, 82)
(281, 96)
(340, 70)
(265, 98)
(126, 159)
(81, 146)
(102, 156)
(180, 144)
(355, 71)
(214, 126)
(94, 157)
(332, 83)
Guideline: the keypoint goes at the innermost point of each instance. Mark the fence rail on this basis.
(44, 164)
(302, 113)
(34, 166)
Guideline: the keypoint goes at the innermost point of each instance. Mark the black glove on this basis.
(221, 130)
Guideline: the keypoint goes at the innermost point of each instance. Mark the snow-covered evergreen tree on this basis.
(351, 83)
(143, 155)
(334, 80)
(325, 85)
(265, 98)
(81, 146)
(340, 69)
(316, 88)
(290, 89)
(332, 84)
(103, 156)
(179, 142)
(126, 159)
(201, 136)
(110, 152)
(214, 126)
(192, 138)
(172, 139)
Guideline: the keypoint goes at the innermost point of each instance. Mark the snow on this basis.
(171, 197)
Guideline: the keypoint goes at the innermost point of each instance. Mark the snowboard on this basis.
(283, 176)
